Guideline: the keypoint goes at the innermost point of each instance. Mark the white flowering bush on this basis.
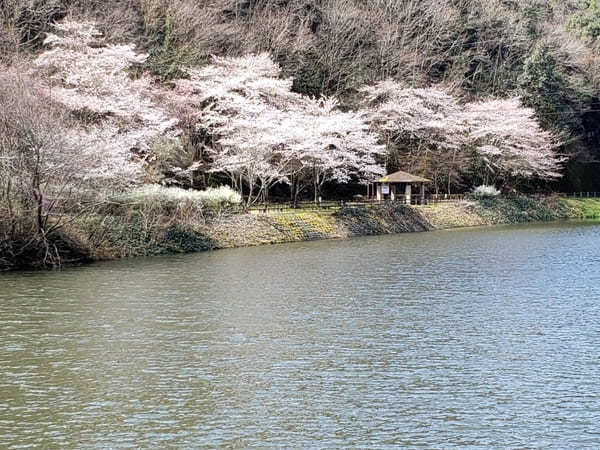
(219, 197)
(484, 191)
(211, 198)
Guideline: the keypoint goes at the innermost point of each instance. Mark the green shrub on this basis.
(184, 240)
(587, 22)
(140, 234)
(514, 210)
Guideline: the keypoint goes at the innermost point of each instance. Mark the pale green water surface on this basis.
(481, 338)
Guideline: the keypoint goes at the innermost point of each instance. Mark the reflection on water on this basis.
(485, 338)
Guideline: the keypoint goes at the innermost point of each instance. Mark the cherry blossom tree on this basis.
(430, 115)
(510, 141)
(257, 130)
(423, 130)
(263, 133)
(434, 134)
(119, 113)
(330, 145)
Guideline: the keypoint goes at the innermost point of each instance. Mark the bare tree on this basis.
(36, 168)
(49, 171)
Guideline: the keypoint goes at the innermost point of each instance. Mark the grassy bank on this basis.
(500, 211)
(143, 229)
(503, 211)
(581, 208)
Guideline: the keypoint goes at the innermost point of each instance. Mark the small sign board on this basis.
(385, 189)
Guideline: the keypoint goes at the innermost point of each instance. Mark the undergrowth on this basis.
(515, 210)
(583, 208)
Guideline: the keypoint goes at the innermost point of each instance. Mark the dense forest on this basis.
(290, 99)
(545, 52)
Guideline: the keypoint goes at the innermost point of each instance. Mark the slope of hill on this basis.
(287, 98)
(544, 51)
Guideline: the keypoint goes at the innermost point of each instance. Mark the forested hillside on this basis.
(544, 51)
(286, 100)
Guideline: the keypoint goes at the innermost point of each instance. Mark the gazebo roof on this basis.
(402, 177)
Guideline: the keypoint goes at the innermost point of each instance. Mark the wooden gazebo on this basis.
(397, 185)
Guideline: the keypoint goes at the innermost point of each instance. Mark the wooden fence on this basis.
(299, 206)
(325, 205)
(416, 200)
(579, 195)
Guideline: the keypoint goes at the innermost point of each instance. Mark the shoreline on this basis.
(131, 235)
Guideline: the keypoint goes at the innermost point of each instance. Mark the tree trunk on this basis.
(11, 215)
(39, 206)
(296, 197)
(250, 192)
(265, 192)
(315, 184)
(450, 170)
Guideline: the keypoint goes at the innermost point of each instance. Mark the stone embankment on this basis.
(243, 230)
(138, 234)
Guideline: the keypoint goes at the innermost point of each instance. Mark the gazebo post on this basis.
(408, 192)
(422, 193)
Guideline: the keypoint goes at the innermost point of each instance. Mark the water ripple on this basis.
(478, 338)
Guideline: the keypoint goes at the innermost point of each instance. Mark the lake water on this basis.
(467, 338)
